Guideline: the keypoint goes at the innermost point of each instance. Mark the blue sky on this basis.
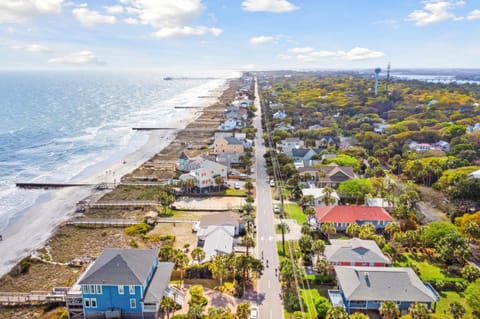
(239, 34)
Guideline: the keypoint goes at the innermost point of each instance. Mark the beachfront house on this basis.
(125, 283)
(231, 124)
(342, 216)
(319, 196)
(355, 252)
(365, 288)
(205, 175)
(228, 144)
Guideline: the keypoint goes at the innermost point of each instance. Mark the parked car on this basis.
(237, 186)
(253, 312)
(272, 183)
(276, 209)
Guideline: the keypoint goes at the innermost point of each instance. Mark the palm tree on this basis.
(219, 268)
(195, 312)
(327, 196)
(168, 305)
(337, 313)
(322, 266)
(457, 310)
(249, 186)
(290, 272)
(318, 247)
(305, 243)
(391, 228)
(181, 262)
(248, 242)
(189, 184)
(418, 311)
(198, 254)
(359, 315)
(305, 230)
(389, 310)
(328, 229)
(306, 200)
(243, 310)
(353, 230)
(284, 229)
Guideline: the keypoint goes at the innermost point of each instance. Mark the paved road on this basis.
(269, 292)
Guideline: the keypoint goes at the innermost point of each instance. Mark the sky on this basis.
(202, 35)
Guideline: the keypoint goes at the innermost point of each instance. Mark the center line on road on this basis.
(269, 284)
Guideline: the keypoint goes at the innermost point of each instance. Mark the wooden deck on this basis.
(34, 297)
(103, 222)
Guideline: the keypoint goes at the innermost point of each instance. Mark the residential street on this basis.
(269, 292)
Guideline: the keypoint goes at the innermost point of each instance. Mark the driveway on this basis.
(293, 226)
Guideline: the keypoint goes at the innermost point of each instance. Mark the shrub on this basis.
(198, 272)
(25, 265)
(138, 229)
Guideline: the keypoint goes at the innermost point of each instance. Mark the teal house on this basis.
(125, 283)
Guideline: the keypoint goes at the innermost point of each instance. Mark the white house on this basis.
(290, 143)
(230, 125)
(280, 115)
(204, 176)
(319, 196)
(380, 128)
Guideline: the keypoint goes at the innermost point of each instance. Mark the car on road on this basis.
(272, 183)
(276, 209)
(253, 312)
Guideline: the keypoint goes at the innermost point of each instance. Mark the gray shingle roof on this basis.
(159, 283)
(232, 140)
(383, 283)
(121, 267)
(228, 218)
(354, 250)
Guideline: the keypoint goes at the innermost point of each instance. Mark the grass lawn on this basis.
(447, 298)
(295, 212)
(235, 192)
(310, 297)
(428, 271)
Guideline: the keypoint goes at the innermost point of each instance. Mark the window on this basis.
(85, 289)
(93, 302)
(133, 303)
(99, 289)
(120, 290)
(92, 289)
(131, 289)
(87, 303)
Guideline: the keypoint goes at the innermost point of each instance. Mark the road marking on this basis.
(271, 314)
(269, 284)
(261, 238)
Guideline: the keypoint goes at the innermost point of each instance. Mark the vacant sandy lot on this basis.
(182, 231)
(210, 203)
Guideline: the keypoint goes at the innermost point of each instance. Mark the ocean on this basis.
(55, 126)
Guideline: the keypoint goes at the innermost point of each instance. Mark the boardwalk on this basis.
(103, 222)
(124, 203)
(10, 298)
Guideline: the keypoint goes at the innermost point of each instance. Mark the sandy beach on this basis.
(39, 222)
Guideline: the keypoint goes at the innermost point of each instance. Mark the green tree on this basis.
(290, 273)
(168, 305)
(305, 243)
(453, 248)
(337, 313)
(436, 231)
(195, 312)
(391, 228)
(353, 229)
(472, 294)
(198, 254)
(418, 311)
(354, 191)
(181, 261)
(322, 306)
(243, 310)
(328, 229)
(322, 266)
(248, 242)
(283, 227)
(359, 315)
(457, 310)
(249, 186)
(219, 181)
(218, 267)
(318, 247)
(389, 310)
(328, 199)
(470, 272)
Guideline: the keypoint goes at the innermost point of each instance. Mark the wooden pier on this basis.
(188, 107)
(50, 185)
(153, 128)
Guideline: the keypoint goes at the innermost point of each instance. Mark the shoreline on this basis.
(30, 233)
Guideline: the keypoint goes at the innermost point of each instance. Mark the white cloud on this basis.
(354, 54)
(170, 18)
(131, 21)
(114, 9)
(185, 31)
(474, 15)
(35, 48)
(283, 56)
(302, 50)
(435, 11)
(276, 6)
(77, 58)
(261, 40)
(248, 67)
(20, 11)
(90, 17)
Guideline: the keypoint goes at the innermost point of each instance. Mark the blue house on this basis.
(365, 288)
(125, 283)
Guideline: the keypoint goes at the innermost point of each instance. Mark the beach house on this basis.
(319, 196)
(365, 288)
(342, 216)
(228, 144)
(205, 175)
(355, 252)
(124, 283)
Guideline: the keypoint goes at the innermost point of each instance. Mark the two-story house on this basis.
(228, 144)
(290, 143)
(204, 175)
(125, 283)
(329, 175)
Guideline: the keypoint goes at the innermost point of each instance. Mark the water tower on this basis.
(377, 72)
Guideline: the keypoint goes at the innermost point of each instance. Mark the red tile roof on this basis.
(350, 214)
